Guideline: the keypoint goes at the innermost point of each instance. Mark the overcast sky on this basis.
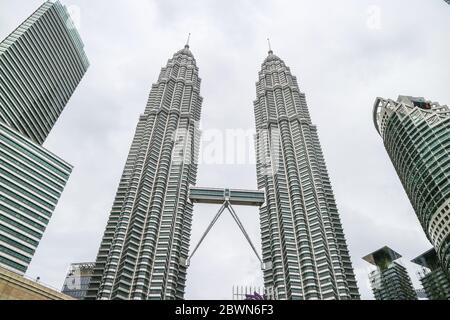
(344, 53)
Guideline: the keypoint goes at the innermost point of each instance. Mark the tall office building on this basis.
(434, 280)
(416, 134)
(41, 63)
(145, 246)
(77, 280)
(31, 182)
(390, 281)
(303, 243)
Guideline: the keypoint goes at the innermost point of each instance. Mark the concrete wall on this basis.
(13, 286)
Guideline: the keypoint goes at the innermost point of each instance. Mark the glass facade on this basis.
(416, 134)
(41, 64)
(78, 279)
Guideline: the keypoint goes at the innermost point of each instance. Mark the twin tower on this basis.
(145, 247)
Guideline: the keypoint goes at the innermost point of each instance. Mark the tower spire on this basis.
(187, 42)
(270, 47)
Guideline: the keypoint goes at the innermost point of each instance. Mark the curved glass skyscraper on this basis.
(304, 246)
(146, 242)
(416, 134)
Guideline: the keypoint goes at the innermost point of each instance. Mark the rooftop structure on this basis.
(390, 281)
(435, 281)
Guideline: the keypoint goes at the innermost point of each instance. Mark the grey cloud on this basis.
(342, 65)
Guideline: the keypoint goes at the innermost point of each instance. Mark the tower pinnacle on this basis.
(187, 42)
(270, 47)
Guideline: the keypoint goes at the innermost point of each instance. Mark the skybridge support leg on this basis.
(227, 205)
(241, 226)
(216, 217)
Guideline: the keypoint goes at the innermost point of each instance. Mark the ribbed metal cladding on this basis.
(416, 136)
(146, 242)
(436, 285)
(41, 64)
(302, 236)
(31, 182)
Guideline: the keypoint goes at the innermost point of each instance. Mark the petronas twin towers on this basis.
(145, 246)
(147, 235)
(302, 236)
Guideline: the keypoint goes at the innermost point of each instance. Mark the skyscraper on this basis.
(416, 134)
(390, 281)
(31, 182)
(145, 245)
(302, 238)
(434, 280)
(41, 63)
(77, 280)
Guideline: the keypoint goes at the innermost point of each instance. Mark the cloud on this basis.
(342, 65)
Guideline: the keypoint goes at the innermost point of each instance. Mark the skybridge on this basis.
(233, 196)
(227, 198)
